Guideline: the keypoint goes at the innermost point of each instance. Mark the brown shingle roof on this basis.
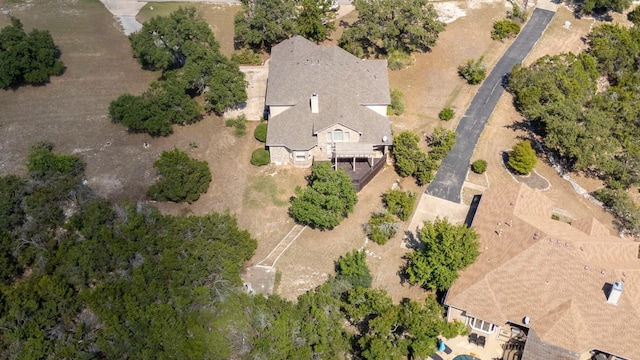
(555, 273)
(344, 85)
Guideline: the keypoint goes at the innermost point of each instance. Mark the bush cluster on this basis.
(181, 178)
(446, 114)
(479, 166)
(522, 159)
(239, 123)
(260, 133)
(410, 160)
(246, 57)
(398, 60)
(397, 103)
(505, 28)
(474, 71)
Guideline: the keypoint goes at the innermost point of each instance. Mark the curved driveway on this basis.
(453, 170)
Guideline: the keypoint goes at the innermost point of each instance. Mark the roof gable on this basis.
(343, 84)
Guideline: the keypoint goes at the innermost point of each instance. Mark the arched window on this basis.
(337, 135)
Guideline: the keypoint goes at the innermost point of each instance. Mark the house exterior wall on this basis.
(277, 109)
(323, 142)
(456, 314)
(279, 155)
(380, 109)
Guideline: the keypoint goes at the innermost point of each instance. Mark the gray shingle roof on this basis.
(344, 84)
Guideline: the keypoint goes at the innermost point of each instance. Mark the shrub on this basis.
(441, 142)
(182, 178)
(634, 16)
(397, 103)
(504, 28)
(474, 71)
(522, 159)
(260, 157)
(479, 166)
(381, 227)
(353, 268)
(446, 114)
(246, 57)
(398, 60)
(517, 14)
(260, 133)
(399, 203)
(239, 123)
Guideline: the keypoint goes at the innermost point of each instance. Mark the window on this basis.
(346, 136)
(481, 325)
(337, 135)
(300, 156)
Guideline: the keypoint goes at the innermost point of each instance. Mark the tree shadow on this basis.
(412, 240)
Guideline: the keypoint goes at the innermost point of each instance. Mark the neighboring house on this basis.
(573, 287)
(325, 104)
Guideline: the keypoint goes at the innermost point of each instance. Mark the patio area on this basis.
(506, 343)
(461, 346)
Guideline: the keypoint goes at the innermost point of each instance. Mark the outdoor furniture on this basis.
(481, 341)
(447, 350)
(473, 338)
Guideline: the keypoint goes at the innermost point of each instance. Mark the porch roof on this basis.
(352, 149)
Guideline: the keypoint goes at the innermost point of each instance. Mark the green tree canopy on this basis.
(327, 200)
(385, 25)
(352, 267)
(505, 28)
(166, 42)
(264, 23)
(400, 203)
(155, 112)
(410, 160)
(591, 6)
(182, 178)
(315, 20)
(522, 158)
(27, 58)
(183, 46)
(447, 249)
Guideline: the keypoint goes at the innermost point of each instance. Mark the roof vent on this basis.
(526, 320)
(314, 104)
(614, 294)
(384, 138)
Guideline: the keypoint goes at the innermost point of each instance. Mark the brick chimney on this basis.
(614, 294)
(314, 104)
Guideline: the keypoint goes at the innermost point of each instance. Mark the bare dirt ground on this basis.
(71, 111)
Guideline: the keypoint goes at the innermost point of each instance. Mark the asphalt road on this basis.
(453, 170)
